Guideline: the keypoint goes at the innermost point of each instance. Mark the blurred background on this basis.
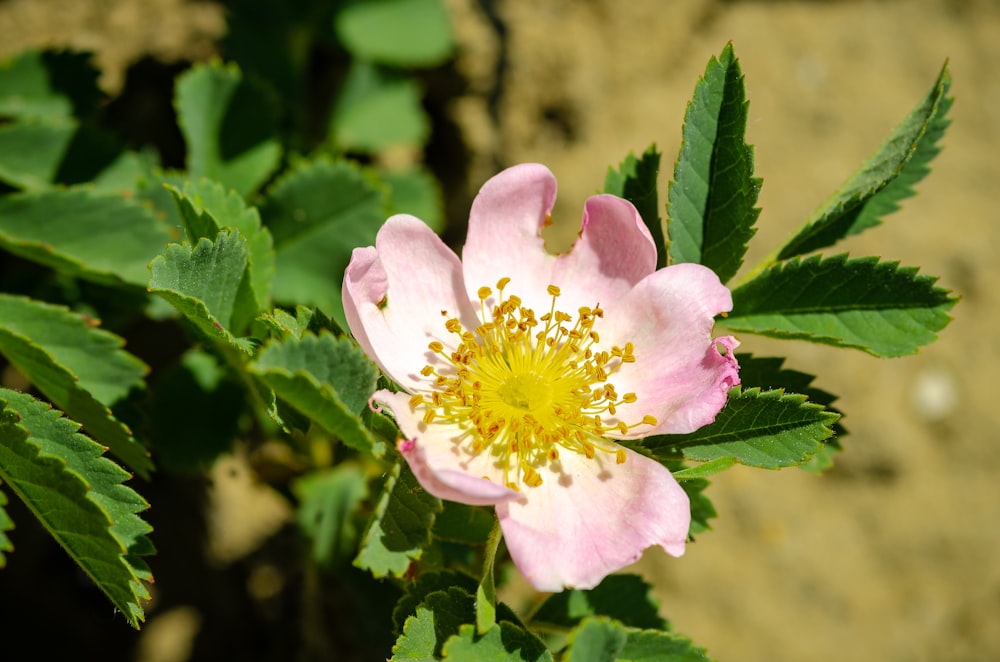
(892, 555)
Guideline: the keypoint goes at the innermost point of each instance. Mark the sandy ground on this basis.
(890, 556)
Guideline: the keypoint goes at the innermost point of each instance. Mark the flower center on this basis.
(525, 391)
(522, 387)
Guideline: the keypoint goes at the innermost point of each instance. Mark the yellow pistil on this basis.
(522, 387)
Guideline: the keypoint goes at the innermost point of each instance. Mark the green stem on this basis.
(486, 595)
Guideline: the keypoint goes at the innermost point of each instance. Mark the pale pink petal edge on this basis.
(428, 449)
(573, 537)
(670, 317)
(613, 252)
(504, 237)
(394, 295)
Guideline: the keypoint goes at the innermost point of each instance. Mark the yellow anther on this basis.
(524, 389)
(531, 477)
(649, 420)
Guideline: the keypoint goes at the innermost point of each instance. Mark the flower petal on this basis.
(680, 377)
(394, 296)
(504, 238)
(577, 528)
(442, 468)
(613, 252)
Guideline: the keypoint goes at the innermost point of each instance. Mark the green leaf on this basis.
(768, 373)
(400, 527)
(705, 469)
(702, 509)
(206, 208)
(416, 192)
(711, 199)
(91, 151)
(427, 583)
(504, 642)
(127, 173)
(376, 109)
(317, 215)
(626, 598)
(885, 179)
(283, 325)
(195, 412)
(436, 619)
(39, 155)
(404, 33)
(30, 152)
(98, 237)
(325, 378)
(48, 345)
(635, 180)
(93, 355)
(203, 282)
(6, 524)
(768, 429)
(596, 640)
(48, 85)
(149, 189)
(658, 646)
(229, 126)
(878, 307)
(79, 497)
(327, 502)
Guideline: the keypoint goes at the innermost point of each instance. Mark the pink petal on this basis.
(613, 252)
(442, 468)
(680, 377)
(394, 296)
(574, 530)
(504, 237)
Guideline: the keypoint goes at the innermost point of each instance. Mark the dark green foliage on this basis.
(711, 199)
(878, 307)
(887, 178)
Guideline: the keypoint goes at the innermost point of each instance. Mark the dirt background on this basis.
(893, 554)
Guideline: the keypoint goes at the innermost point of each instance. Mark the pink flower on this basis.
(521, 368)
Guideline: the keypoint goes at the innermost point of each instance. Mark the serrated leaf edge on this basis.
(137, 583)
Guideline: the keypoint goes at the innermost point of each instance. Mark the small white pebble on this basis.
(934, 394)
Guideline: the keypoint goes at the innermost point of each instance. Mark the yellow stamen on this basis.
(525, 388)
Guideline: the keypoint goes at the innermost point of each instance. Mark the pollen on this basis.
(527, 389)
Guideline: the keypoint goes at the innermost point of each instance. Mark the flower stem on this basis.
(486, 595)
